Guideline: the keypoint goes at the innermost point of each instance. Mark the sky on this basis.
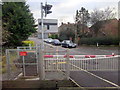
(65, 10)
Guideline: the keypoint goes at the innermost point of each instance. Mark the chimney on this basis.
(68, 22)
(62, 23)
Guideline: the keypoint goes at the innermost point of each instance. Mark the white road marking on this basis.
(32, 79)
(74, 82)
(18, 76)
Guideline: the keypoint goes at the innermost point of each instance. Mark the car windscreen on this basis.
(68, 41)
(56, 41)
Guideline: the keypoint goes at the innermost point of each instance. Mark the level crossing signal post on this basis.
(44, 11)
(47, 9)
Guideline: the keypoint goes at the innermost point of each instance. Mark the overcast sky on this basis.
(65, 10)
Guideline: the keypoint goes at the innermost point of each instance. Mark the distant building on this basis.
(50, 26)
(71, 31)
(107, 28)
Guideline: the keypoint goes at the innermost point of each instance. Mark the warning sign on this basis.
(23, 53)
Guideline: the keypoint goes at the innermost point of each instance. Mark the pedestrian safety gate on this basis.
(21, 61)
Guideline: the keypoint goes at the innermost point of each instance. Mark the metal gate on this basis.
(56, 68)
(21, 62)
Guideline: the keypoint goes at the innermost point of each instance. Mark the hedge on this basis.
(53, 36)
(100, 41)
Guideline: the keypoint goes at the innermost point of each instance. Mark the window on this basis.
(48, 27)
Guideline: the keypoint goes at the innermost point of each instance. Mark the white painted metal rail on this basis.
(79, 62)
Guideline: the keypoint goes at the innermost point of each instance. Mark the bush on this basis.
(100, 41)
(53, 36)
(63, 37)
(3, 64)
(26, 43)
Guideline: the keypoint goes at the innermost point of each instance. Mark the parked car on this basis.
(49, 40)
(56, 42)
(68, 44)
(45, 40)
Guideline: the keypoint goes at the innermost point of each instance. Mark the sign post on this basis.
(23, 65)
(23, 54)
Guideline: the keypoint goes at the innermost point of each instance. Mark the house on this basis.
(72, 31)
(107, 28)
(50, 26)
(66, 31)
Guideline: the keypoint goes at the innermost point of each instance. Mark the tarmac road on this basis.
(87, 80)
(86, 50)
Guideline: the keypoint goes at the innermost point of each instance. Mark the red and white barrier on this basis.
(79, 62)
(78, 56)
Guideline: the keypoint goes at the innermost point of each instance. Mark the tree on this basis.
(17, 23)
(66, 32)
(100, 15)
(82, 19)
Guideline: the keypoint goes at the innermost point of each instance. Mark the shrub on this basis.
(3, 64)
(53, 36)
(100, 41)
(63, 37)
(26, 43)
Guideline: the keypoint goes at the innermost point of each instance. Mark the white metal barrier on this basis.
(94, 64)
(79, 62)
(57, 65)
(53, 64)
